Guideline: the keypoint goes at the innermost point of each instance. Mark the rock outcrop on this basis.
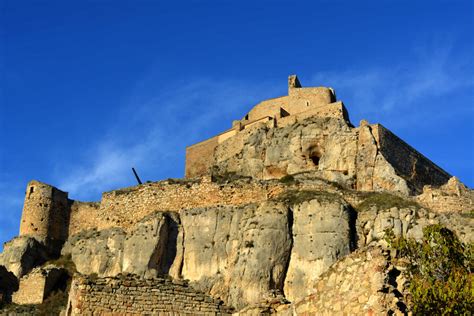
(287, 212)
(21, 254)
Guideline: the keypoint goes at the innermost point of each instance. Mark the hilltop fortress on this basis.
(266, 208)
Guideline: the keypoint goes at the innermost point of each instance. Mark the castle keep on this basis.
(271, 211)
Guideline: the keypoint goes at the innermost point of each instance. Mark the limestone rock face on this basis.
(21, 254)
(98, 252)
(142, 251)
(326, 147)
(321, 235)
(237, 253)
(408, 222)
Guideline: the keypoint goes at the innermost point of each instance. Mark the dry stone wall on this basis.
(125, 207)
(38, 284)
(363, 283)
(129, 295)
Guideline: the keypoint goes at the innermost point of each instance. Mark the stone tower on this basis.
(45, 214)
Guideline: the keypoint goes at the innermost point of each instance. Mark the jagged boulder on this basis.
(405, 218)
(21, 254)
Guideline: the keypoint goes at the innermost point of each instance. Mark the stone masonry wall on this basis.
(407, 162)
(199, 157)
(129, 295)
(125, 207)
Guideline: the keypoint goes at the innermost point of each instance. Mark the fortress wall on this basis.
(269, 107)
(323, 94)
(125, 207)
(199, 157)
(132, 296)
(45, 213)
(335, 109)
(85, 214)
(407, 162)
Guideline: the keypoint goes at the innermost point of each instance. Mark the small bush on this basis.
(64, 262)
(384, 201)
(293, 197)
(440, 272)
(288, 179)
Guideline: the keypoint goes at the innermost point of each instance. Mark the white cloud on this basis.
(148, 135)
(382, 91)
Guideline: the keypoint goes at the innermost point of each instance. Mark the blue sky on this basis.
(89, 89)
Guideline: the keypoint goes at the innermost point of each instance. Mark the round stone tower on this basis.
(45, 213)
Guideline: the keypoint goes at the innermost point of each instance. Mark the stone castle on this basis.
(265, 210)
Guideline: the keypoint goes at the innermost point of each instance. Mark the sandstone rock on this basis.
(21, 254)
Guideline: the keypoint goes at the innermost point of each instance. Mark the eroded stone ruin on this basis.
(284, 213)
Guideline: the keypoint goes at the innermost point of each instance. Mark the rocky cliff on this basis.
(291, 217)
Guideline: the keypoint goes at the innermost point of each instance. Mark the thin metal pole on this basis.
(136, 176)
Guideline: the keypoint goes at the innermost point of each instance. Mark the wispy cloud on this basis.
(379, 91)
(149, 132)
(152, 130)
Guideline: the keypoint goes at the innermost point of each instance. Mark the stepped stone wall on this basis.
(129, 295)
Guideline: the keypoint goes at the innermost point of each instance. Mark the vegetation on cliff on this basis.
(440, 272)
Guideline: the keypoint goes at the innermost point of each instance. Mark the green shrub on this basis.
(384, 201)
(288, 179)
(293, 197)
(440, 272)
(64, 262)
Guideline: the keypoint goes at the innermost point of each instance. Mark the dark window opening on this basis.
(31, 191)
(284, 113)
